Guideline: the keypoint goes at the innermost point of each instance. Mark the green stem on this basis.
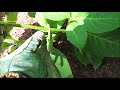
(53, 30)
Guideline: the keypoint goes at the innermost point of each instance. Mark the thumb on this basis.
(32, 43)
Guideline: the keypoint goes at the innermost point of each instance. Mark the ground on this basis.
(110, 67)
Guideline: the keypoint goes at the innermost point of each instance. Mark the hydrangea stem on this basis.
(53, 30)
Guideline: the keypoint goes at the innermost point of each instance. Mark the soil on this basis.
(110, 67)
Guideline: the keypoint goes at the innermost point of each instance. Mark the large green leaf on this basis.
(100, 22)
(107, 44)
(56, 16)
(79, 17)
(52, 70)
(41, 19)
(87, 58)
(76, 34)
(61, 63)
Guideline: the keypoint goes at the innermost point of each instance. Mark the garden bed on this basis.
(110, 67)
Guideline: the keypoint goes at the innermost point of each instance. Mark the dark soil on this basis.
(110, 67)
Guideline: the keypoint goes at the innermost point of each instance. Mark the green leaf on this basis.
(9, 37)
(87, 58)
(4, 44)
(32, 14)
(60, 24)
(40, 18)
(8, 29)
(54, 37)
(76, 34)
(13, 49)
(79, 17)
(12, 16)
(61, 63)
(55, 24)
(100, 22)
(56, 16)
(106, 44)
(52, 70)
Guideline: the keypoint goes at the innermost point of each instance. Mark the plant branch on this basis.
(53, 30)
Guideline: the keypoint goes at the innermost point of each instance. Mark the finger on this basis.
(34, 41)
